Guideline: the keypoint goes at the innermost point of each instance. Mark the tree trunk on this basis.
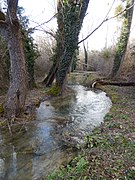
(17, 90)
(74, 61)
(10, 29)
(112, 83)
(85, 57)
(64, 67)
(121, 45)
(51, 75)
(58, 49)
(73, 15)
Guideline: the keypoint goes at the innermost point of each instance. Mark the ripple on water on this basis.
(85, 112)
(38, 148)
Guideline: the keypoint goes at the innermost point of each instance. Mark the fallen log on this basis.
(112, 83)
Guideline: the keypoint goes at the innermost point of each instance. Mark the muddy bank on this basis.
(33, 100)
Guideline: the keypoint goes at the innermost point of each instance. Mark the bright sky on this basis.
(42, 10)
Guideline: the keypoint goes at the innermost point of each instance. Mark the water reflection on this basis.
(85, 112)
(37, 148)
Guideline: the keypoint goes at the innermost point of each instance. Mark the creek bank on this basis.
(109, 151)
(34, 146)
(33, 100)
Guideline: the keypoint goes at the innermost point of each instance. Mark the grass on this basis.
(109, 151)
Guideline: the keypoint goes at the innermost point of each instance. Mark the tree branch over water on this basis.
(105, 20)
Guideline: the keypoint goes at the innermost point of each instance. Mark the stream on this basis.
(41, 146)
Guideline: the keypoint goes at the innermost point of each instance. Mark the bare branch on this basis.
(109, 9)
(121, 12)
(105, 20)
(47, 32)
(45, 21)
(9, 127)
(4, 54)
(40, 25)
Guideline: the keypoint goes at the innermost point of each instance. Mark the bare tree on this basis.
(10, 29)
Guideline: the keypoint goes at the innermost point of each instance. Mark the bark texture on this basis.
(10, 29)
(59, 48)
(121, 45)
(73, 15)
(112, 83)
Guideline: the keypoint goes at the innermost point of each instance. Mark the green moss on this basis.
(33, 85)
(1, 108)
(54, 90)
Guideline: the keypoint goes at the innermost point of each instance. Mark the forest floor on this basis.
(109, 151)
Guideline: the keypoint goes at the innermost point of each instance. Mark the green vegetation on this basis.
(121, 45)
(30, 48)
(1, 108)
(106, 53)
(109, 151)
(72, 171)
(72, 17)
(54, 90)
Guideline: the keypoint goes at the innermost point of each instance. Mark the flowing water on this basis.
(39, 147)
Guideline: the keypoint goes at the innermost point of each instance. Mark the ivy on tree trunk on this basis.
(73, 13)
(121, 45)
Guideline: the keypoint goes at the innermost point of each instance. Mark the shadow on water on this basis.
(39, 147)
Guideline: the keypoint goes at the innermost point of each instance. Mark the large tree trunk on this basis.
(64, 65)
(73, 15)
(17, 90)
(10, 29)
(121, 45)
